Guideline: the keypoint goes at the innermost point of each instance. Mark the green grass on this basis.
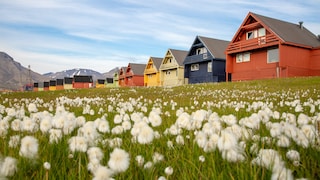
(222, 98)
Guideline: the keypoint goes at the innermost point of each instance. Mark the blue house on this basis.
(206, 61)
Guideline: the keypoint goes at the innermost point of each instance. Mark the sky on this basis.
(57, 35)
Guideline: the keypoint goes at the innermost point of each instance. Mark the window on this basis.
(205, 56)
(273, 55)
(256, 33)
(209, 66)
(243, 57)
(201, 51)
(167, 72)
(194, 67)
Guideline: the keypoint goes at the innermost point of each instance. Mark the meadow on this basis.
(267, 129)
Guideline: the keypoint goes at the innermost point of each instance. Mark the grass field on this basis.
(266, 129)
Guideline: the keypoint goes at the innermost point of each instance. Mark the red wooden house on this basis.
(135, 74)
(265, 47)
(122, 76)
(82, 81)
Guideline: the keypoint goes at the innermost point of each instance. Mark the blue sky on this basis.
(56, 35)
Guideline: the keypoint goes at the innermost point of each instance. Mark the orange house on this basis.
(122, 76)
(265, 47)
(135, 74)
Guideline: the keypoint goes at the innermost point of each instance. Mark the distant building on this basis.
(68, 83)
(172, 68)
(59, 85)
(134, 74)
(100, 83)
(82, 81)
(152, 72)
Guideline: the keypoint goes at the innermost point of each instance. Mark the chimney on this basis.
(301, 24)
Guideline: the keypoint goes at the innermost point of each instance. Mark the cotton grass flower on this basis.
(8, 167)
(14, 141)
(119, 160)
(95, 153)
(102, 173)
(47, 165)
(16, 125)
(148, 165)
(157, 157)
(78, 143)
(293, 156)
(140, 160)
(202, 158)
(145, 135)
(29, 147)
(155, 119)
(55, 135)
(227, 140)
(268, 158)
(168, 170)
(32, 108)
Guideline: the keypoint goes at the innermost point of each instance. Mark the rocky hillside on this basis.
(13, 76)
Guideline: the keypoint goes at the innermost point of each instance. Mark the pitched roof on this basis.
(137, 69)
(179, 55)
(216, 47)
(156, 61)
(289, 32)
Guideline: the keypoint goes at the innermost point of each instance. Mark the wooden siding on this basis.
(172, 77)
(256, 68)
(315, 62)
(67, 86)
(152, 79)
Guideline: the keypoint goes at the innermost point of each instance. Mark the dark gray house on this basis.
(206, 61)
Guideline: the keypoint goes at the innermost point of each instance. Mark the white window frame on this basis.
(209, 68)
(256, 33)
(243, 57)
(201, 50)
(194, 67)
(273, 55)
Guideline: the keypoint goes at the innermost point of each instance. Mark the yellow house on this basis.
(52, 85)
(152, 72)
(100, 83)
(172, 68)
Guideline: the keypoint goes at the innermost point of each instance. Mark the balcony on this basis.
(250, 44)
(197, 58)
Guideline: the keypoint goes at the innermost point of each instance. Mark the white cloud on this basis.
(55, 34)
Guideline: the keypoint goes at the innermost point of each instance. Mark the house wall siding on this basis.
(315, 62)
(174, 78)
(294, 61)
(256, 68)
(154, 80)
(135, 80)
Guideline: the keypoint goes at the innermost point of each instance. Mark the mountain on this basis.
(13, 76)
(71, 72)
(110, 74)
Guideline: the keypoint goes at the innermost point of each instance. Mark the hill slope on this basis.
(13, 75)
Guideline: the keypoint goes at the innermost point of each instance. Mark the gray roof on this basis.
(179, 55)
(157, 61)
(216, 47)
(289, 32)
(137, 69)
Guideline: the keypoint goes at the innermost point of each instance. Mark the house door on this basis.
(229, 77)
